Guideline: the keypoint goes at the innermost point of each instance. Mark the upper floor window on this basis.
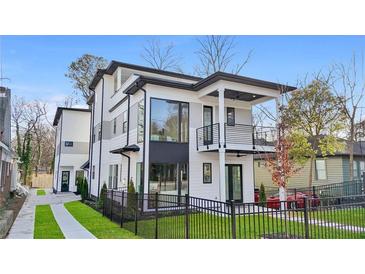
(169, 121)
(140, 121)
(321, 169)
(99, 133)
(115, 125)
(115, 78)
(231, 120)
(69, 144)
(356, 173)
(125, 121)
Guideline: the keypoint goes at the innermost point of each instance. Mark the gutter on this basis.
(101, 135)
(125, 155)
(59, 158)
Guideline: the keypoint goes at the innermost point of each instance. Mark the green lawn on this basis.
(41, 192)
(350, 216)
(249, 227)
(45, 225)
(101, 227)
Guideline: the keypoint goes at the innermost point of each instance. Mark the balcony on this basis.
(237, 138)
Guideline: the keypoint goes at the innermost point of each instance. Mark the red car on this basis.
(294, 201)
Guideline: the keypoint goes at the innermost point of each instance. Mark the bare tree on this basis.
(81, 72)
(26, 116)
(161, 57)
(350, 89)
(217, 53)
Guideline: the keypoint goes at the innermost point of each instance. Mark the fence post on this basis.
(104, 202)
(187, 236)
(233, 217)
(111, 205)
(135, 215)
(122, 210)
(156, 215)
(306, 220)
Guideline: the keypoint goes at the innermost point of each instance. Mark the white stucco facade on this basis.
(110, 150)
(71, 147)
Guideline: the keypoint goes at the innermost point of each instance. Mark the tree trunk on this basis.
(311, 165)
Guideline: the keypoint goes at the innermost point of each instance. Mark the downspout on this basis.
(125, 155)
(101, 135)
(91, 144)
(144, 137)
(59, 158)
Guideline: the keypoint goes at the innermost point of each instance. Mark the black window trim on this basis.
(234, 116)
(179, 126)
(211, 173)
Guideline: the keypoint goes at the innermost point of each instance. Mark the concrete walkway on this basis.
(71, 228)
(23, 227)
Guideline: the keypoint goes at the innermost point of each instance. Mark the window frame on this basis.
(69, 143)
(325, 169)
(233, 123)
(179, 121)
(114, 126)
(115, 81)
(210, 175)
(140, 133)
(125, 121)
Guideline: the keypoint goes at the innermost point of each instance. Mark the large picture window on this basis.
(169, 179)
(125, 122)
(113, 176)
(169, 121)
(207, 173)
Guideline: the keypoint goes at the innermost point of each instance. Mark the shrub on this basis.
(131, 199)
(84, 189)
(102, 196)
(262, 195)
(79, 181)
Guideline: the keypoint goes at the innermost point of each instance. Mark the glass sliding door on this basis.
(171, 179)
(234, 183)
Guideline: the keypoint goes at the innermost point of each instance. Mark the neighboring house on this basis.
(329, 170)
(6, 154)
(71, 147)
(178, 134)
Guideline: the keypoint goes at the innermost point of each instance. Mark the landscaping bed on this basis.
(9, 213)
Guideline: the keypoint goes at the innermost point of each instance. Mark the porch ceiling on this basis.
(238, 95)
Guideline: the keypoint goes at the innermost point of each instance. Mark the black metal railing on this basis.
(346, 188)
(160, 216)
(237, 134)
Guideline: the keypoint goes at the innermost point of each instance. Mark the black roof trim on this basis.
(242, 80)
(85, 165)
(60, 109)
(113, 65)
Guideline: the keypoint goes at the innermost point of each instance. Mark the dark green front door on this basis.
(234, 183)
(65, 181)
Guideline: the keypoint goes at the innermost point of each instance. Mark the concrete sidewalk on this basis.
(71, 228)
(23, 227)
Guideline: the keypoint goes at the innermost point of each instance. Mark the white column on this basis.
(222, 150)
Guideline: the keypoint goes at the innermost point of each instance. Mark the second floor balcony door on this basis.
(208, 125)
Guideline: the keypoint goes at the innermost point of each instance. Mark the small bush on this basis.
(102, 196)
(84, 190)
(131, 199)
(262, 197)
(79, 181)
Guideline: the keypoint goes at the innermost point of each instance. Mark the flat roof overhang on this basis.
(130, 148)
(85, 165)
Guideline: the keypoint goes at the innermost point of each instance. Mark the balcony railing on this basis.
(238, 134)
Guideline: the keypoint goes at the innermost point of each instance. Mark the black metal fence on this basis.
(160, 216)
(346, 188)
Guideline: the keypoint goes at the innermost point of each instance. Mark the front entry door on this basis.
(234, 183)
(65, 181)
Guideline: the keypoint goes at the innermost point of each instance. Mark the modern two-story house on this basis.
(71, 147)
(173, 133)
